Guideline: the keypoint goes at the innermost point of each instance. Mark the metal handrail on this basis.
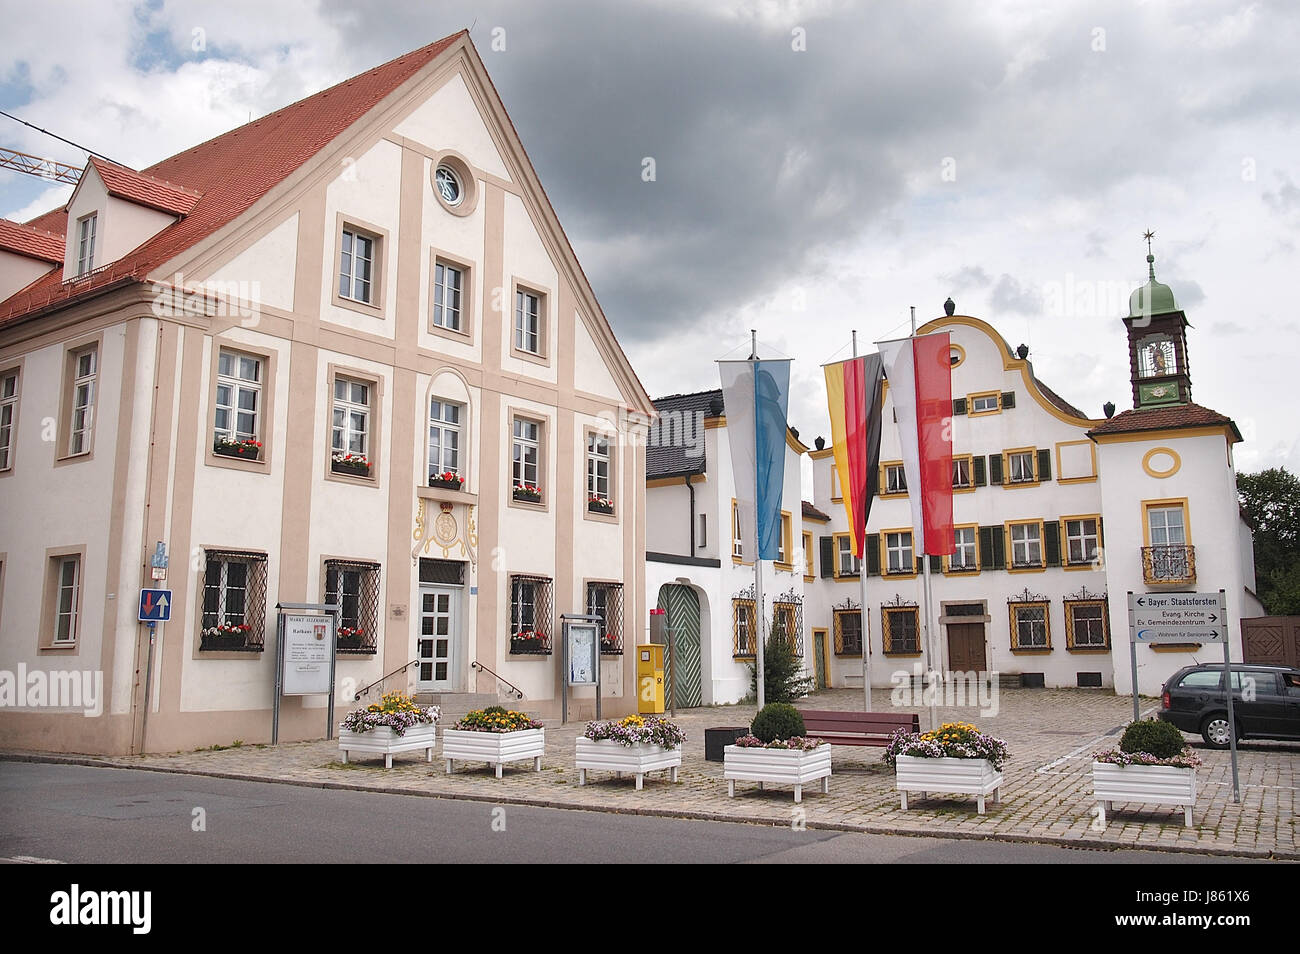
(357, 697)
(514, 690)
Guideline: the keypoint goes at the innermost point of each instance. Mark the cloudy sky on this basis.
(818, 166)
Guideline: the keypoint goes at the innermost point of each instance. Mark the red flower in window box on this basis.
(529, 492)
(448, 480)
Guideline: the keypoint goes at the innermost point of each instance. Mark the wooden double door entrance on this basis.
(966, 647)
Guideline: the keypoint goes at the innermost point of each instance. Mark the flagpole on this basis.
(758, 553)
(864, 622)
(925, 598)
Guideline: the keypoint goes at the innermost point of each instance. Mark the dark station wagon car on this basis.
(1265, 702)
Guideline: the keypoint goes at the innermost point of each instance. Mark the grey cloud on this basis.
(1010, 295)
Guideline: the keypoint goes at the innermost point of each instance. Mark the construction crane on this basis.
(39, 166)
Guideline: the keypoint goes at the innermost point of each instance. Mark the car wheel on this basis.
(1215, 731)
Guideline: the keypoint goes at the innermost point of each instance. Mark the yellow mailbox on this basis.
(650, 679)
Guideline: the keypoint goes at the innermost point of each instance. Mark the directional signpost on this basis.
(1155, 618)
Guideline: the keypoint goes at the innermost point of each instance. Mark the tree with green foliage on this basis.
(1270, 502)
(782, 668)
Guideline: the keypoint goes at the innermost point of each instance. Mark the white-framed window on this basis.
(960, 473)
(1026, 545)
(983, 404)
(354, 586)
(1020, 467)
(528, 321)
(86, 229)
(350, 429)
(849, 565)
(598, 464)
(445, 421)
(448, 293)
(737, 548)
(85, 364)
(786, 544)
(1168, 526)
(1082, 540)
(895, 479)
(526, 453)
(898, 553)
(1029, 626)
(67, 599)
(835, 483)
(8, 413)
(356, 266)
(239, 396)
(964, 554)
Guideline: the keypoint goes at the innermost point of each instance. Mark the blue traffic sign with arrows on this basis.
(155, 605)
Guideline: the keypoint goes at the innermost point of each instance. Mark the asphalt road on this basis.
(81, 814)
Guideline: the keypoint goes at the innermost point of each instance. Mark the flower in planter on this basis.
(350, 461)
(600, 504)
(241, 629)
(635, 729)
(528, 640)
(496, 719)
(797, 742)
(229, 447)
(608, 645)
(447, 479)
(527, 492)
(395, 710)
(1151, 742)
(952, 740)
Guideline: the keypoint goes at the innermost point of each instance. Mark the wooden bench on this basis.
(857, 728)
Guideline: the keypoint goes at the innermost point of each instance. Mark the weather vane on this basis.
(1148, 235)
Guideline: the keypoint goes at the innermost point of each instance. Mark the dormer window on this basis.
(86, 243)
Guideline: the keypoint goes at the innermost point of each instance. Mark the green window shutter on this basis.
(873, 554)
(1000, 548)
(985, 537)
(828, 557)
(978, 475)
(995, 468)
(1052, 542)
(936, 564)
(1044, 465)
(959, 405)
(1008, 399)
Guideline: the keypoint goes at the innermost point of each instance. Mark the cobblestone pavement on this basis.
(1047, 793)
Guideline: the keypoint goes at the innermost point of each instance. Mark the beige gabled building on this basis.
(264, 352)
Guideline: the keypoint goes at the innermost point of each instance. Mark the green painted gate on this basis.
(683, 610)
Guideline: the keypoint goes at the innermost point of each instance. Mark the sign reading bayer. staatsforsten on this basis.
(1177, 617)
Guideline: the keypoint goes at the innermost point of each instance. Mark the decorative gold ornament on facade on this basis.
(445, 532)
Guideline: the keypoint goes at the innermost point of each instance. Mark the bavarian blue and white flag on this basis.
(756, 395)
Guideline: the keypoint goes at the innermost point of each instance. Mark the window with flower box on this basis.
(236, 430)
(354, 585)
(445, 441)
(606, 601)
(531, 621)
(599, 474)
(234, 601)
(350, 426)
(526, 460)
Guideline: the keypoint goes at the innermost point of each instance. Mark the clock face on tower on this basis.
(448, 185)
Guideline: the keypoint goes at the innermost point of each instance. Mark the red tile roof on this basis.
(1170, 417)
(146, 190)
(229, 174)
(34, 243)
(812, 513)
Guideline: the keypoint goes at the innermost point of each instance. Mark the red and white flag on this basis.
(920, 382)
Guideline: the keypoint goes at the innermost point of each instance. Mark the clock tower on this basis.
(1157, 344)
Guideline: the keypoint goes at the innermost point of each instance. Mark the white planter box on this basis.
(1156, 784)
(384, 741)
(607, 755)
(975, 777)
(795, 767)
(495, 748)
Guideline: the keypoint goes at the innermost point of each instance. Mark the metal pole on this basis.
(148, 692)
(1133, 655)
(932, 676)
(1227, 684)
(864, 622)
(279, 676)
(758, 554)
(337, 616)
(672, 670)
(564, 672)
